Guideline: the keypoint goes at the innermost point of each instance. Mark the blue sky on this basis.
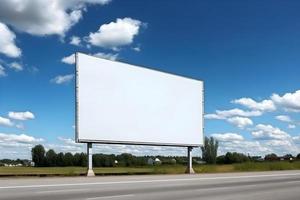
(246, 52)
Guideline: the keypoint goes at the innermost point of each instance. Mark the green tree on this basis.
(51, 158)
(38, 155)
(60, 159)
(80, 159)
(235, 158)
(83, 160)
(209, 150)
(68, 159)
(271, 157)
(288, 156)
(221, 159)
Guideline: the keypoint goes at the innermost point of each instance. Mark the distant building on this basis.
(157, 161)
(150, 161)
(173, 161)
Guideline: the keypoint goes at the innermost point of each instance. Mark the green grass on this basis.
(164, 169)
(42, 171)
(266, 166)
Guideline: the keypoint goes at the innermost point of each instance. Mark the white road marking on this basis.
(248, 185)
(149, 181)
(110, 197)
(56, 191)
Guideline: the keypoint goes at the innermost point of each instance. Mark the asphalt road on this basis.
(283, 185)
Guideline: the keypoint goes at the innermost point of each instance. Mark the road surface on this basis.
(283, 185)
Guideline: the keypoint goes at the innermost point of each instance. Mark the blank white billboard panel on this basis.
(121, 103)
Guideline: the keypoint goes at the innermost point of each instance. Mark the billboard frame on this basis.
(130, 142)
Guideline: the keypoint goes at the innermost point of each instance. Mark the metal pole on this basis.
(90, 160)
(189, 169)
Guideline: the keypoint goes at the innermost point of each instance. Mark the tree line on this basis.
(50, 158)
(210, 149)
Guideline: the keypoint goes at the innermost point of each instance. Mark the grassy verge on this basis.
(164, 169)
(266, 166)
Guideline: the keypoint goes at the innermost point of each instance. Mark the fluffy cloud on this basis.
(40, 17)
(22, 138)
(265, 105)
(7, 41)
(21, 115)
(283, 118)
(69, 59)
(240, 122)
(291, 126)
(224, 114)
(115, 34)
(296, 139)
(109, 56)
(234, 142)
(61, 79)
(17, 145)
(228, 137)
(5, 122)
(267, 132)
(137, 49)
(2, 71)
(68, 141)
(289, 101)
(74, 40)
(16, 66)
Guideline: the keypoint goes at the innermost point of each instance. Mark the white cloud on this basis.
(61, 79)
(115, 34)
(33, 70)
(40, 17)
(268, 132)
(20, 126)
(288, 101)
(16, 66)
(2, 71)
(223, 114)
(265, 105)
(240, 122)
(69, 59)
(7, 41)
(296, 139)
(74, 40)
(5, 121)
(283, 118)
(15, 146)
(137, 49)
(291, 126)
(68, 141)
(109, 56)
(234, 142)
(228, 137)
(21, 115)
(22, 138)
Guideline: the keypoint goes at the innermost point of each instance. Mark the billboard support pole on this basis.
(90, 160)
(189, 169)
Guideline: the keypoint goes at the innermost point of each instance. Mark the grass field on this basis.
(164, 169)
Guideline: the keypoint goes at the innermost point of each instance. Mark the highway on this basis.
(279, 185)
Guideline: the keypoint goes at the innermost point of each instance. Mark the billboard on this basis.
(120, 103)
